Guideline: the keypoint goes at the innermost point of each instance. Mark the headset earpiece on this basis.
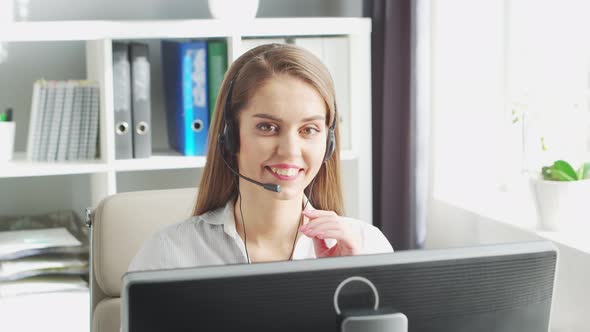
(229, 138)
(331, 139)
(330, 144)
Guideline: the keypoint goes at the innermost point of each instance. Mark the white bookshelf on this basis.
(98, 36)
(202, 28)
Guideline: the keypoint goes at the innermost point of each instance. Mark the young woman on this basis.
(270, 190)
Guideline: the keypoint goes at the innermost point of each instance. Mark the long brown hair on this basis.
(249, 72)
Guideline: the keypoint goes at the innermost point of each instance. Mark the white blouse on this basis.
(212, 239)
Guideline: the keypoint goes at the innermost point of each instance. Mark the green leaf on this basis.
(566, 169)
(584, 171)
(559, 171)
(562, 176)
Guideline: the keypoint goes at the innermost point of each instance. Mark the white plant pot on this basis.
(562, 205)
(6, 140)
(233, 9)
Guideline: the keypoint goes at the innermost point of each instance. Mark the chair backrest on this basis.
(120, 225)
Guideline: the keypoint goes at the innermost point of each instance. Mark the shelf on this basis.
(160, 161)
(163, 160)
(71, 315)
(202, 28)
(20, 167)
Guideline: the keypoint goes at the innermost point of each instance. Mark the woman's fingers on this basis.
(337, 234)
(322, 228)
(321, 225)
(320, 247)
(331, 230)
(318, 222)
(313, 214)
(328, 225)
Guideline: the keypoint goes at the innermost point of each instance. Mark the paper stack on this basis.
(40, 260)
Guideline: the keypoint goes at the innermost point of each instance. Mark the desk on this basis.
(486, 226)
(67, 312)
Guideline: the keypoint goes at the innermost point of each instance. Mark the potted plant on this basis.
(562, 196)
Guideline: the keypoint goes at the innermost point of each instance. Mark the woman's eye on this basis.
(267, 127)
(310, 131)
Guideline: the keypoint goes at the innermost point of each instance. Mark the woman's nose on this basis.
(289, 145)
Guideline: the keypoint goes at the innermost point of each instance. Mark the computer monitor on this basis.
(502, 287)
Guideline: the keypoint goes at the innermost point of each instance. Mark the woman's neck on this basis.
(269, 222)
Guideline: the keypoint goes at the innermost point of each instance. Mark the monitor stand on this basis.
(380, 320)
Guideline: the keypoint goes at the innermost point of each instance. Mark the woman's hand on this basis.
(328, 225)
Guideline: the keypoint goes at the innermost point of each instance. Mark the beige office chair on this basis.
(119, 226)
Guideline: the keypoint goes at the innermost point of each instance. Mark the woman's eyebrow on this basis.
(274, 118)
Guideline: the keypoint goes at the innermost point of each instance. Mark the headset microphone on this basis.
(268, 186)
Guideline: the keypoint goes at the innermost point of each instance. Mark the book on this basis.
(66, 122)
(47, 111)
(217, 63)
(36, 119)
(74, 140)
(140, 100)
(54, 123)
(184, 65)
(84, 120)
(122, 101)
(94, 123)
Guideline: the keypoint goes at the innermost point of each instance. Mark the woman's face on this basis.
(283, 135)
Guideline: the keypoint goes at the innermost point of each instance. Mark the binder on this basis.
(141, 102)
(185, 80)
(122, 101)
(217, 65)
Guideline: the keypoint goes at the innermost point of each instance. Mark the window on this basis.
(509, 78)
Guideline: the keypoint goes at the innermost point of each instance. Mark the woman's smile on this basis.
(284, 174)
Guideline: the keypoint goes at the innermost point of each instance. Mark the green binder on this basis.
(217, 58)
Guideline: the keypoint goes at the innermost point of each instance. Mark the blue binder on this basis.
(184, 65)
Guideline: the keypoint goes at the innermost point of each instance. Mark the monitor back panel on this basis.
(489, 294)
